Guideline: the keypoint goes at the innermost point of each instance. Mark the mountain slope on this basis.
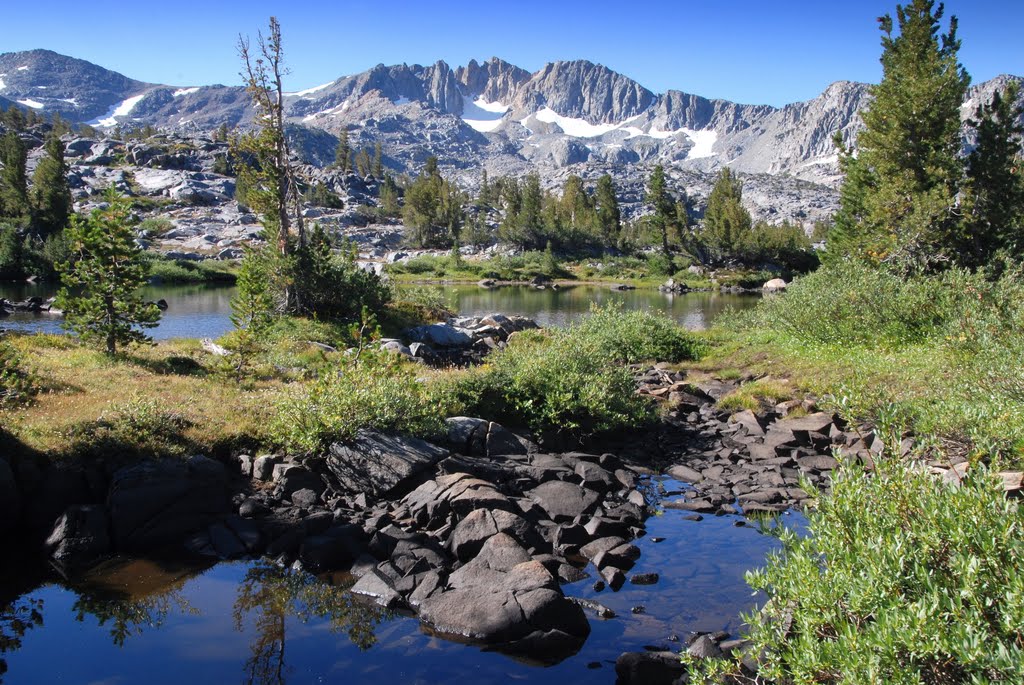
(568, 117)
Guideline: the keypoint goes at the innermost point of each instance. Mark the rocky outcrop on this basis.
(157, 503)
(377, 465)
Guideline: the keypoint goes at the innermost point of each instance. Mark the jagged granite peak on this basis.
(569, 117)
(584, 90)
(676, 110)
(798, 139)
(77, 89)
(493, 81)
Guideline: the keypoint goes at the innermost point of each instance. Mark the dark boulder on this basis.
(10, 499)
(564, 501)
(648, 668)
(506, 599)
(336, 548)
(157, 503)
(378, 464)
(80, 536)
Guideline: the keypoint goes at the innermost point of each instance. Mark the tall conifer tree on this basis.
(899, 198)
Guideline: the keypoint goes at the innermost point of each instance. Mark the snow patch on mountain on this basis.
(831, 159)
(184, 91)
(483, 116)
(310, 91)
(2, 84)
(122, 109)
(702, 141)
(577, 128)
(34, 104)
(24, 68)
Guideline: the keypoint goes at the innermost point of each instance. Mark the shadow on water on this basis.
(161, 622)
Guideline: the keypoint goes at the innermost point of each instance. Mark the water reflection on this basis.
(204, 311)
(195, 311)
(127, 596)
(270, 595)
(17, 618)
(562, 306)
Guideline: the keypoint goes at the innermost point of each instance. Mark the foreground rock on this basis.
(378, 464)
(505, 598)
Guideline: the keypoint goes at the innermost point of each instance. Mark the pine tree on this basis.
(483, 198)
(726, 223)
(389, 197)
(343, 153)
(529, 220)
(100, 285)
(13, 181)
(663, 205)
(899, 195)
(608, 216)
(51, 196)
(994, 197)
(363, 163)
(270, 181)
(378, 160)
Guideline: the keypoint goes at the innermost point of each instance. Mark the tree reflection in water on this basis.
(16, 619)
(275, 594)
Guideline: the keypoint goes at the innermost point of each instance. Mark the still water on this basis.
(194, 311)
(203, 311)
(158, 622)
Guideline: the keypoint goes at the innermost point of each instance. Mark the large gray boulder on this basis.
(564, 501)
(157, 503)
(377, 464)
(506, 599)
(441, 335)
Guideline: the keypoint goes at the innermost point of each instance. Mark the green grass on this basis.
(163, 270)
(941, 354)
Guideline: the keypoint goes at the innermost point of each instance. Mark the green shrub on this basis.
(155, 226)
(377, 392)
(163, 270)
(573, 382)
(900, 579)
(635, 336)
(563, 385)
(850, 303)
(17, 383)
(135, 429)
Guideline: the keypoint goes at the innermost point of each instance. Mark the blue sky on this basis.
(750, 52)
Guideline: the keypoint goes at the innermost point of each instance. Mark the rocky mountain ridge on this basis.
(572, 117)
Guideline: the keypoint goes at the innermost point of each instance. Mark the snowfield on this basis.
(310, 91)
(703, 141)
(184, 91)
(34, 104)
(121, 109)
(483, 116)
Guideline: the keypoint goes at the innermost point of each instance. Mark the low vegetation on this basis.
(939, 352)
(174, 271)
(573, 382)
(374, 391)
(899, 578)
